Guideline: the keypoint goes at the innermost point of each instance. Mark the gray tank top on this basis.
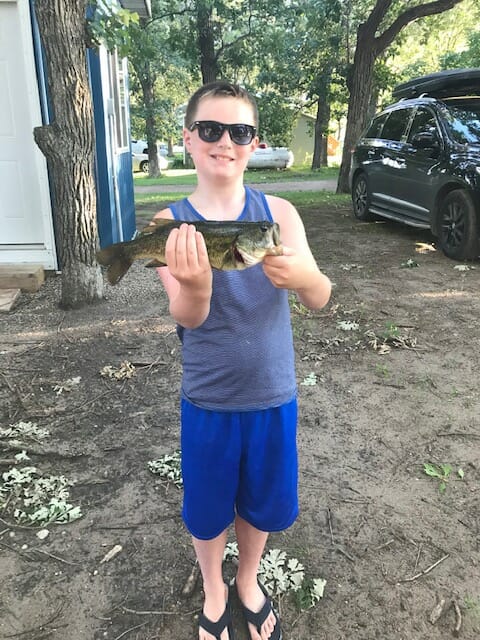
(241, 358)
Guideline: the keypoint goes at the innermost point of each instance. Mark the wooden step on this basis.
(27, 277)
(8, 299)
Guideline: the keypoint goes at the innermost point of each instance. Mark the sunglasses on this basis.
(211, 131)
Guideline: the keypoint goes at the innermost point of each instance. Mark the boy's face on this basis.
(223, 157)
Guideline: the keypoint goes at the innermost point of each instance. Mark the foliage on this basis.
(281, 575)
(168, 467)
(110, 25)
(442, 473)
(28, 496)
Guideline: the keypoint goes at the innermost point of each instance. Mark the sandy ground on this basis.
(388, 382)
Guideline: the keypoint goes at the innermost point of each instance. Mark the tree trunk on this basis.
(147, 82)
(367, 50)
(206, 42)
(320, 147)
(68, 145)
(360, 89)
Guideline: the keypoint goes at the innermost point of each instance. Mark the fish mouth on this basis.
(248, 259)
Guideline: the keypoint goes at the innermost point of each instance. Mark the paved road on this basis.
(271, 187)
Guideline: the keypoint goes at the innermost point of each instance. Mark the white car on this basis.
(270, 158)
(140, 162)
(140, 156)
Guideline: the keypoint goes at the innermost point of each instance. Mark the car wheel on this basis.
(361, 198)
(144, 166)
(459, 226)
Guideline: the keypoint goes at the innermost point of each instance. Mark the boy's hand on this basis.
(288, 271)
(187, 257)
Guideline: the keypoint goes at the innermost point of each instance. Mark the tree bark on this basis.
(147, 82)
(206, 42)
(369, 47)
(320, 145)
(68, 145)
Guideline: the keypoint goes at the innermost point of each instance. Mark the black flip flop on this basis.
(258, 618)
(216, 628)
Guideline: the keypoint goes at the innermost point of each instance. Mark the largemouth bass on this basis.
(230, 245)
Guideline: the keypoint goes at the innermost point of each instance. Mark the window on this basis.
(396, 124)
(424, 121)
(118, 93)
(375, 128)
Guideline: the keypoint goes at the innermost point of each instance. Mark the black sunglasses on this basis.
(211, 131)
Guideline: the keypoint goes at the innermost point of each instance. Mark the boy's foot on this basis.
(214, 627)
(262, 619)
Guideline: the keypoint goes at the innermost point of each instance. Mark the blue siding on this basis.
(113, 226)
(115, 195)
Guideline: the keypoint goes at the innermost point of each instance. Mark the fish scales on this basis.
(230, 245)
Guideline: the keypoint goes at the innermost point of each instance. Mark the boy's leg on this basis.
(251, 543)
(210, 557)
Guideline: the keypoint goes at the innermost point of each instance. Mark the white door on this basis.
(26, 227)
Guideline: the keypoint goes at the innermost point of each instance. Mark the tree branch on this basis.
(410, 15)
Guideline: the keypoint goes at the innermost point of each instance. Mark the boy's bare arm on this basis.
(296, 269)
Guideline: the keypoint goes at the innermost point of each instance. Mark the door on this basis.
(26, 226)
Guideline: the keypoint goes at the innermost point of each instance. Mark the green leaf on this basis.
(431, 470)
(447, 469)
(461, 473)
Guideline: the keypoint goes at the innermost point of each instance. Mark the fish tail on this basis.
(117, 260)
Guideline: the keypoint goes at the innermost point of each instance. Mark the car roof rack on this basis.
(443, 84)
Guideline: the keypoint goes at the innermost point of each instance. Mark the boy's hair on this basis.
(220, 88)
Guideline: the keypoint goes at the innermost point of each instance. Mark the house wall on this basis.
(303, 141)
(26, 225)
(113, 158)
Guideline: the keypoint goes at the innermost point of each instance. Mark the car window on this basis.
(424, 121)
(464, 124)
(396, 124)
(375, 127)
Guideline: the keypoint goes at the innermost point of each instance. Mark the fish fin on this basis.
(153, 225)
(116, 260)
(156, 263)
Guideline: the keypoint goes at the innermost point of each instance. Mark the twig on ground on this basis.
(159, 613)
(418, 557)
(191, 581)
(343, 552)
(459, 434)
(458, 618)
(20, 553)
(385, 544)
(127, 631)
(41, 626)
(437, 611)
(329, 517)
(51, 555)
(85, 404)
(425, 571)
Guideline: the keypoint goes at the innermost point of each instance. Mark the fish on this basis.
(230, 245)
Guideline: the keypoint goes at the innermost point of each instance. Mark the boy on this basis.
(238, 405)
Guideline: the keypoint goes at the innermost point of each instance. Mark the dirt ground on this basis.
(388, 381)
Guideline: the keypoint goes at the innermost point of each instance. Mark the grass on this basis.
(253, 176)
(147, 203)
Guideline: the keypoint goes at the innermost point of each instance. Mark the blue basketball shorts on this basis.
(241, 463)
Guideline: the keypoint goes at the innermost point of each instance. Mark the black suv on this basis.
(418, 162)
